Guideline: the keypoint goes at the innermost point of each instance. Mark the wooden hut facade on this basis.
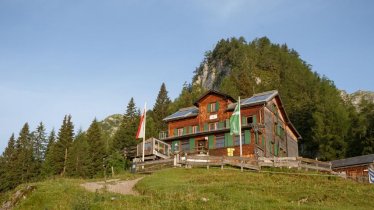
(355, 168)
(204, 127)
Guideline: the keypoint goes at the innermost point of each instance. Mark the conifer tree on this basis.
(7, 160)
(124, 139)
(62, 147)
(161, 109)
(79, 158)
(40, 142)
(96, 148)
(25, 167)
(48, 166)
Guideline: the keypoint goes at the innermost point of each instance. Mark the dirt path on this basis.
(114, 185)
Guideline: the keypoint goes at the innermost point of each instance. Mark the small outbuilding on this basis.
(355, 168)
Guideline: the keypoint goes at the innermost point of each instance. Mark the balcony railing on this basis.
(165, 135)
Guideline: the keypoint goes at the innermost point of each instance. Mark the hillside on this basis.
(209, 189)
(110, 124)
(356, 97)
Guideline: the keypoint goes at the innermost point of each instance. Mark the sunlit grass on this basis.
(208, 189)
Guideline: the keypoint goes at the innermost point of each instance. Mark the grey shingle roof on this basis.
(359, 160)
(183, 113)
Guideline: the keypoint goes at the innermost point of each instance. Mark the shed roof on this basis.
(183, 113)
(359, 160)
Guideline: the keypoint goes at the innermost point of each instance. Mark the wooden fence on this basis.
(294, 162)
(235, 161)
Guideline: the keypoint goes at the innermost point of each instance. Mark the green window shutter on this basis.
(217, 106)
(211, 141)
(278, 130)
(173, 145)
(184, 130)
(221, 125)
(226, 139)
(229, 140)
(254, 119)
(263, 140)
(244, 121)
(227, 123)
(256, 137)
(192, 144)
(175, 132)
(247, 137)
(208, 107)
(276, 149)
(198, 128)
(205, 126)
(189, 129)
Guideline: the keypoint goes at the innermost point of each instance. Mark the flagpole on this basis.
(240, 129)
(145, 119)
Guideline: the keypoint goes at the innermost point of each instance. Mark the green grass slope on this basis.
(210, 189)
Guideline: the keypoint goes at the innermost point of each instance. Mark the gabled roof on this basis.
(359, 160)
(183, 113)
(210, 92)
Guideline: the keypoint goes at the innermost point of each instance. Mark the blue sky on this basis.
(88, 58)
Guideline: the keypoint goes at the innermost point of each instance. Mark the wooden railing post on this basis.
(222, 160)
(241, 164)
(207, 163)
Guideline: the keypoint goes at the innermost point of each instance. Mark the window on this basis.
(237, 139)
(220, 141)
(180, 131)
(213, 126)
(195, 129)
(185, 146)
(249, 120)
(213, 107)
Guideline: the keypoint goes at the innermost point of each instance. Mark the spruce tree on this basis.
(96, 148)
(79, 158)
(25, 167)
(62, 147)
(124, 140)
(161, 109)
(7, 160)
(48, 166)
(40, 142)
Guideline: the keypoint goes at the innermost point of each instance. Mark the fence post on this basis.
(222, 162)
(241, 164)
(185, 156)
(207, 163)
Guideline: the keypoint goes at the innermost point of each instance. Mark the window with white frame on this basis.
(180, 131)
(213, 126)
(194, 129)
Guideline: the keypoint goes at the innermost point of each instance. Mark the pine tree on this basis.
(48, 166)
(161, 109)
(96, 148)
(25, 167)
(7, 160)
(63, 145)
(40, 142)
(79, 158)
(124, 139)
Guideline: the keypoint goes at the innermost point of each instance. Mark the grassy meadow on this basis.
(209, 189)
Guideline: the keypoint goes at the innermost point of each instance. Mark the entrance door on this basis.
(202, 146)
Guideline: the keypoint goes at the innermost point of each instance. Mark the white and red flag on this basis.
(141, 127)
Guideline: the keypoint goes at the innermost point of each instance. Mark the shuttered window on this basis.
(192, 144)
(247, 137)
(228, 140)
(211, 141)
